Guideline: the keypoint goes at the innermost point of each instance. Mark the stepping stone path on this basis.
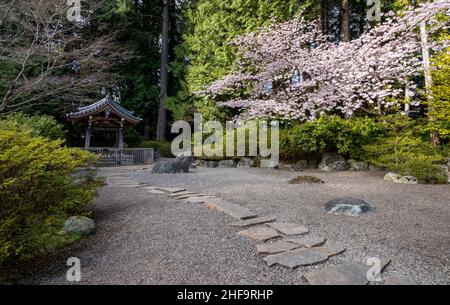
(276, 247)
(259, 233)
(398, 280)
(288, 228)
(351, 274)
(302, 256)
(229, 208)
(292, 252)
(308, 241)
(252, 221)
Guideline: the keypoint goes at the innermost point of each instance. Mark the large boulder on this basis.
(298, 166)
(80, 225)
(176, 166)
(284, 165)
(188, 159)
(332, 162)
(227, 163)
(396, 178)
(446, 170)
(374, 168)
(358, 165)
(244, 162)
(348, 205)
(211, 164)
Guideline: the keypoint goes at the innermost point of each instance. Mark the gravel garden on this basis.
(158, 229)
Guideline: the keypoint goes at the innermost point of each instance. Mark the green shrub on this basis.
(132, 137)
(329, 133)
(44, 126)
(245, 129)
(439, 110)
(163, 147)
(403, 151)
(37, 192)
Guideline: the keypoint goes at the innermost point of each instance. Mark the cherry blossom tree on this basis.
(291, 71)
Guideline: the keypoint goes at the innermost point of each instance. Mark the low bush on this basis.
(37, 192)
(329, 134)
(403, 151)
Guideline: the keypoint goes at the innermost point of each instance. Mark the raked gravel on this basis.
(144, 238)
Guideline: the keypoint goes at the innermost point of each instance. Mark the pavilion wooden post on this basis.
(87, 142)
(121, 132)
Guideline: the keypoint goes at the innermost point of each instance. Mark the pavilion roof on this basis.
(103, 105)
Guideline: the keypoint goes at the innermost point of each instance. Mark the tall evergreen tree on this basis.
(345, 21)
(206, 52)
(164, 73)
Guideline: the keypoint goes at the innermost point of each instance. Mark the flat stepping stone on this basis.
(232, 209)
(308, 241)
(302, 256)
(252, 221)
(276, 247)
(142, 185)
(170, 189)
(330, 250)
(128, 185)
(288, 228)
(185, 196)
(350, 274)
(156, 192)
(197, 199)
(178, 194)
(398, 280)
(298, 257)
(259, 233)
(150, 188)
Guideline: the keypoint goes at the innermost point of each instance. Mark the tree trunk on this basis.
(162, 112)
(345, 21)
(362, 17)
(408, 98)
(434, 134)
(322, 16)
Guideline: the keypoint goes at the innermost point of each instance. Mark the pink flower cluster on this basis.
(290, 71)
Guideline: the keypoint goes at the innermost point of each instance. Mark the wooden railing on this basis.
(123, 156)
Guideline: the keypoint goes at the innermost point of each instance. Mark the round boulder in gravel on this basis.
(332, 162)
(171, 167)
(79, 225)
(348, 206)
(358, 165)
(227, 163)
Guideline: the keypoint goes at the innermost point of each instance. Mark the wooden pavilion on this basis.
(108, 115)
(104, 115)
